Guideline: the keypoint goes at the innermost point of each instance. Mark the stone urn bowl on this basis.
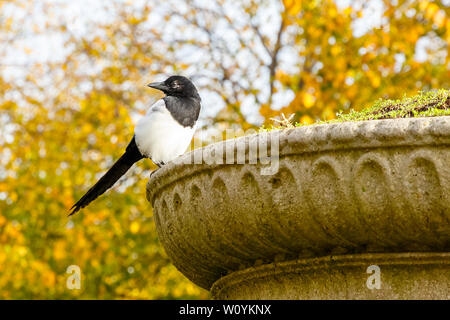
(354, 210)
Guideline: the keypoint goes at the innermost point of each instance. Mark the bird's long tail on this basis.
(119, 168)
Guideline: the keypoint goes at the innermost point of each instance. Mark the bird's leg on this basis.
(159, 164)
(151, 173)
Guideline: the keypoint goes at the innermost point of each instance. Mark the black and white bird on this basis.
(163, 134)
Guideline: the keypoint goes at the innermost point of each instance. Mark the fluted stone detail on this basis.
(341, 189)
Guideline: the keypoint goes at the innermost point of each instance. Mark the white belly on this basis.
(160, 137)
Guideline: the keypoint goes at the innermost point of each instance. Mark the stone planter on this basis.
(348, 199)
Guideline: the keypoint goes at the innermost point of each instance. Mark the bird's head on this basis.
(176, 86)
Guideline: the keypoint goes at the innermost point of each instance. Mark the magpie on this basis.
(163, 134)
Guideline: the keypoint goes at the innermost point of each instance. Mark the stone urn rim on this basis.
(316, 138)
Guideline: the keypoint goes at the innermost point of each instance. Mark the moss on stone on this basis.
(425, 104)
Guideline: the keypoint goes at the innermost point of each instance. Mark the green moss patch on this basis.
(425, 104)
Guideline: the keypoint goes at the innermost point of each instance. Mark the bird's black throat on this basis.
(185, 110)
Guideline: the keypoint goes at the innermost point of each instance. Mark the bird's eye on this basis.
(175, 84)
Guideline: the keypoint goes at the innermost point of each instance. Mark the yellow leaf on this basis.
(306, 119)
(293, 7)
(308, 100)
(134, 227)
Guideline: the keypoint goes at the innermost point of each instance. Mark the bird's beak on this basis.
(158, 85)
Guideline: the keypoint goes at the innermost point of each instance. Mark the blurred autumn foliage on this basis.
(72, 82)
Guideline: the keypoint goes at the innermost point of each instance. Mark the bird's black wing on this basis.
(119, 168)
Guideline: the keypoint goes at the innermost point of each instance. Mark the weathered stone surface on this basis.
(402, 276)
(348, 189)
